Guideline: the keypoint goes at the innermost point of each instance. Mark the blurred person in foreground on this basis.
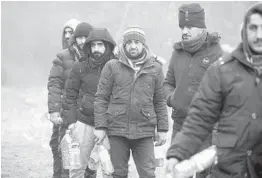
(190, 59)
(230, 94)
(56, 84)
(82, 85)
(130, 105)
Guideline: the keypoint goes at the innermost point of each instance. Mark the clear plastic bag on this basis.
(197, 163)
(65, 150)
(105, 159)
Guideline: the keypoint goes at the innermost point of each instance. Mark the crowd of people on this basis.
(119, 98)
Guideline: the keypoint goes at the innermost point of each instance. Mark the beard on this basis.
(97, 55)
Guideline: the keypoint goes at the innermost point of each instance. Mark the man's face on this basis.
(97, 49)
(134, 48)
(190, 32)
(68, 32)
(81, 41)
(254, 33)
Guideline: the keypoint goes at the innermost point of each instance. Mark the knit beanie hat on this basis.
(83, 29)
(134, 33)
(192, 15)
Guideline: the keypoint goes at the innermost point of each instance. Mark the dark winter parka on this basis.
(185, 72)
(230, 94)
(131, 104)
(59, 73)
(83, 81)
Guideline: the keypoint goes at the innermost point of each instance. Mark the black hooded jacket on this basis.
(83, 81)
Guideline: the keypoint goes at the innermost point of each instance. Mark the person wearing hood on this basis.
(56, 84)
(230, 94)
(130, 105)
(68, 31)
(81, 86)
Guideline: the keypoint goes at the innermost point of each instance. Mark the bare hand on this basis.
(55, 118)
(99, 136)
(160, 138)
(170, 166)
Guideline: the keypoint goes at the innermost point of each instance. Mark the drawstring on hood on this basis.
(251, 57)
(71, 23)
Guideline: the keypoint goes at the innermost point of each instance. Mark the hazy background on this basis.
(31, 31)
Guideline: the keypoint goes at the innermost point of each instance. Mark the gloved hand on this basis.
(55, 118)
(160, 138)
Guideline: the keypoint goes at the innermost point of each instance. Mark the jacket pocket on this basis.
(87, 105)
(114, 113)
(150, 115)
(146, 85)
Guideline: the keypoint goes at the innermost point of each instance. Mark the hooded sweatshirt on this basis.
(72, 23)
(254, 59)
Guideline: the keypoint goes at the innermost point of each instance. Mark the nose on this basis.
(83, 40)
(133, 45)
(185, 30)
(259, 32)
(67, 35)
(96, 48)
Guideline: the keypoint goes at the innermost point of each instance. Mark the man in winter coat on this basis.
(130, 105)
(190, 59)
(230, 94)
(82, 85)
(56, 84)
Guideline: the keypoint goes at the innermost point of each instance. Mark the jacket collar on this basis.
(239, 54)
(212, 38)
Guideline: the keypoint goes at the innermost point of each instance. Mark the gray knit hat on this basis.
(134, 33)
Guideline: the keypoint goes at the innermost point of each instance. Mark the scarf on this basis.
(135, 63)
(194, 44)
(79, 54)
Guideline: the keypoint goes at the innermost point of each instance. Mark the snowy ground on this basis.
(24, 134)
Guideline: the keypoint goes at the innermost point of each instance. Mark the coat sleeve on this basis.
(170, 81)
(55, 85)
(160, 103)
(204, 112)
(102, 97)
(72, 88)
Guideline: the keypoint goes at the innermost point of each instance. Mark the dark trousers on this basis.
(176, 128)
(142, 151)
(57, 135)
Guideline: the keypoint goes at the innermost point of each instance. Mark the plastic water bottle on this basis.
(196, 163)
(105, 159)
(75, 161)
(65, 150)
(160, 156)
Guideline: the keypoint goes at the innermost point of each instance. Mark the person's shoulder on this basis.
(160, 60)
(63, 54)
(224, 61)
